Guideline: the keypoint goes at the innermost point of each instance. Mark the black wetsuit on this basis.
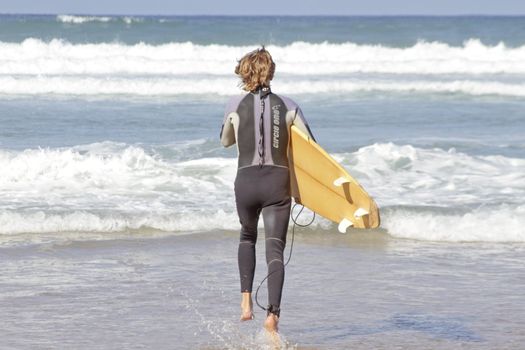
(259, 123)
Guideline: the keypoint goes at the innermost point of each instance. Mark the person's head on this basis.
(255, 69)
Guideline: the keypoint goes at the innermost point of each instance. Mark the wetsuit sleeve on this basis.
(300, 121)
(227, 134)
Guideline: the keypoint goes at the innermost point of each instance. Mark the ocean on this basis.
(118, 226)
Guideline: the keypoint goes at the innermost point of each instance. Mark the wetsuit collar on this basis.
(263, 91)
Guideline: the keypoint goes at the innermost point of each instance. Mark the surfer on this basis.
(259, 123)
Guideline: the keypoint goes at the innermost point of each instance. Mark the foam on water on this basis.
(178, 220)
(162, 86)
(408, 175)
(396, 174)
(38, 67)
(496, 223)
(75, 19)
(113, 187)
(82, 19)
(34, 56)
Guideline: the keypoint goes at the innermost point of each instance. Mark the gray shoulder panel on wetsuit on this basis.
(295, 116)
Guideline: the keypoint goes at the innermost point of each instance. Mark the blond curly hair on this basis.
(255, 69)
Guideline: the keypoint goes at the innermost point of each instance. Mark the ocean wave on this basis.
(12, 222)
(408, 175)
(75, 19)
(162, 86)
(109, 175)
(394, 174)
(34, 56)
(427, 194)
(82, 19)
(503, 223)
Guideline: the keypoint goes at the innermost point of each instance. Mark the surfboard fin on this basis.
(344, 224)
(360, 212)
(340, 181)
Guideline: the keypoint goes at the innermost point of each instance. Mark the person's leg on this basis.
(246, 260)
(248, 210)
(246, 251)
(276, 218)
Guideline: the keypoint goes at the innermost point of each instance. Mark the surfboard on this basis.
(322, 185)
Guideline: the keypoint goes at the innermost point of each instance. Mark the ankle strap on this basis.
(272, 309)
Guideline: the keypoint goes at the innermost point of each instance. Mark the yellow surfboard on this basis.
(322, 185)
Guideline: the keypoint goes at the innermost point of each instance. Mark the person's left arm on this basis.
(227, 135)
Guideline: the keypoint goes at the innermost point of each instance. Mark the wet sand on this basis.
(359, 291)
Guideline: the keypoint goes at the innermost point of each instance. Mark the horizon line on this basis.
(261, 15)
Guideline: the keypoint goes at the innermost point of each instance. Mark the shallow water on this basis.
(359, 291)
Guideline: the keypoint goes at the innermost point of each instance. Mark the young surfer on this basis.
(259, 123)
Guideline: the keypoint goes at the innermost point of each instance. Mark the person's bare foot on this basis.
(271, 323)
(246, 307)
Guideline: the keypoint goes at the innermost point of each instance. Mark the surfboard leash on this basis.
(295, 223)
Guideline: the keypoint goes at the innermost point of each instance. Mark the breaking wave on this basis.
(59, 67)
(34, 56)
(162, 86)
(425, 194)
(496, 223)
(75, 19)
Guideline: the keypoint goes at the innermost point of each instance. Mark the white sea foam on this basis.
(58, 67)
(431, 194)
(409, 175)
(109, 174)
(76, 19)
(499, 224)
(130, 20)
(12, 222)
(163, 86)
(34, 56)
(502, 223)
(111, 187)
(82, 19)
(395, 174)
